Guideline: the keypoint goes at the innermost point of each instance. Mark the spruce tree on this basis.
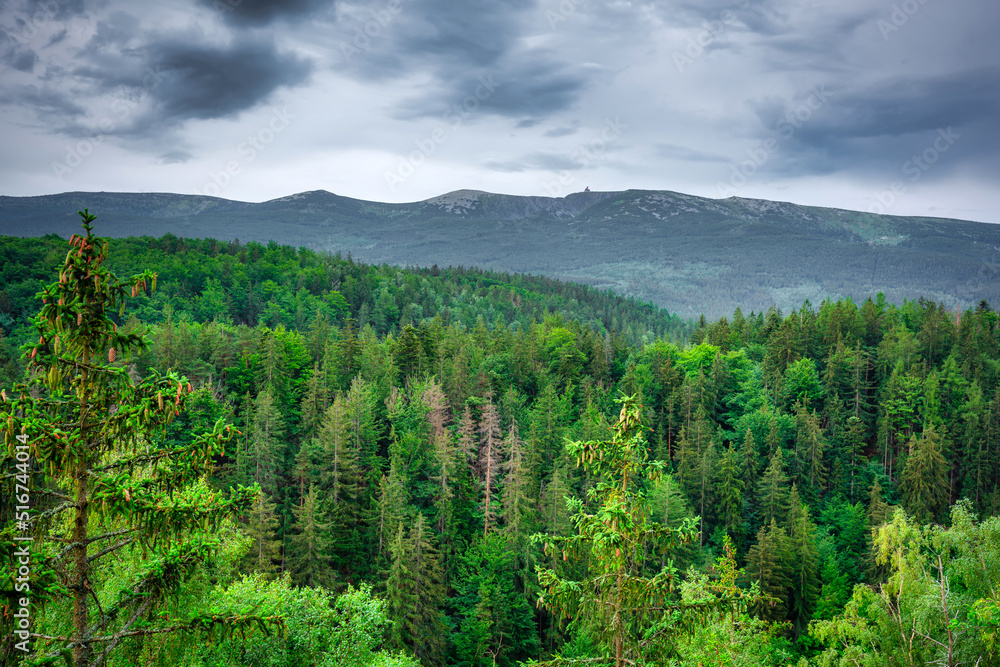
(730, 493)
(261, 525)
(415, 592)
(924, 483)
(767, 564)
(879, 511)
(854, 442)
(516, 500)
(810, 445)
(803, 561)
(100, 475)
(627, 612)
(309, 544)
(267, 431)
(772, 494)
(314, 403)
(363, 429)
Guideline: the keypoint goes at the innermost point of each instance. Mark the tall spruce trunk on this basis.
(81, 648)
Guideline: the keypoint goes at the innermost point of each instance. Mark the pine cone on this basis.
(112, 354)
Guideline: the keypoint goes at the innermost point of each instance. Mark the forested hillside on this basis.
(689, 254)
(454, 467)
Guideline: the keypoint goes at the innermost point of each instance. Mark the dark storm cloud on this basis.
(19, 58)
(518, 89)
(458, 44)
(210, 81)
(58, 10)
(864, 126)
(475, 33)
(530, 87)
(904, 105)
(167, 81)
(50, 105)
(419, 35)
(255, 13)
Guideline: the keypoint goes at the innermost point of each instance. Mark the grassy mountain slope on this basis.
(688, 254)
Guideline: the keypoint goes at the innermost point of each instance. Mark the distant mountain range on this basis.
(688, 254)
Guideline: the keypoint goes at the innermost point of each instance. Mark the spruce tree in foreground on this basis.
(635, 618)
(100, 478)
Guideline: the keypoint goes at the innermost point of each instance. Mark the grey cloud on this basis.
(457, 43)
(174, 157)
(49, 104)
(438, 35)
(520, 89)
(148, 84)
(475, 33)
(685, 154)
(30, 17)
(536, 161)
(54, 9)
(560, 131)
(57, 37)
(877, 126)
(208, 81)
(256, 13)
(904, 105)
(20, 59)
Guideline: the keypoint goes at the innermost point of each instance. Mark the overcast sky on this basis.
(882, 105)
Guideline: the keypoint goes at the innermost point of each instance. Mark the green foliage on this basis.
(411, 429)
(935, 603)
(100, 475)
(495, 622)
(616, 603)
(321, 630)
(734, 637)
(924, 481)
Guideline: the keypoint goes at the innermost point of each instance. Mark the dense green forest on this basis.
(317, 462)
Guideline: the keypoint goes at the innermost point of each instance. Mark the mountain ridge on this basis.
(686, 253)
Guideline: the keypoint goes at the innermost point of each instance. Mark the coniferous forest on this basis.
(221, 454)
